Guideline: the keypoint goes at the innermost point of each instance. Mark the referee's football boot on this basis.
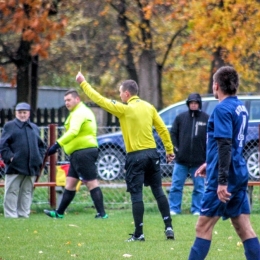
(169, 233)
(53, 214)
(134, 238)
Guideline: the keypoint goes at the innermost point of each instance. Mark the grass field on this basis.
(80, 236)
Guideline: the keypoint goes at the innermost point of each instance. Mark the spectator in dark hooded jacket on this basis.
(188, 134)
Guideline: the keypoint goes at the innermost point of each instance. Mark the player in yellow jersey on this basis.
(80, 142)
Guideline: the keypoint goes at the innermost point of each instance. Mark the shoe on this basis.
(196, 214)
(134, 238)
(169, 233)
(99, 216)
(53, 214)
(173, 213)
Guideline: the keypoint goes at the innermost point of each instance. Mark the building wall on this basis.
(51, 97)
(48, 97)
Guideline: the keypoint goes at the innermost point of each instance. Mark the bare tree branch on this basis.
(123, 15)
(171, 43)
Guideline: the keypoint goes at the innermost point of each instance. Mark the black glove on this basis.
(53, 149)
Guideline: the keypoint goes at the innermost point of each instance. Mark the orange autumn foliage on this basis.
(30, 20)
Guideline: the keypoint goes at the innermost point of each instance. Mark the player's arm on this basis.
(76, 122)
(114, 107)
(224, 159)
(201, 171)
(5, 149)
(164, 135)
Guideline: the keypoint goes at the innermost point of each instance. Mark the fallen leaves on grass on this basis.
(72, 225)
(239, 243)
(127, 255)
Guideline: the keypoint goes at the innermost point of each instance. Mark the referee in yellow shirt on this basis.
(137, 118)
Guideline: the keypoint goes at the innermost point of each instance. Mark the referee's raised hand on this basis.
(80, 78)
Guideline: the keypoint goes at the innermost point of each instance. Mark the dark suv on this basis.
(111, 159)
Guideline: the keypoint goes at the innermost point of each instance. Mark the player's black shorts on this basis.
(143, 168)
(83, 164)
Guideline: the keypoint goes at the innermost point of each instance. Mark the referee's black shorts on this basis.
(143, 168)
(83, 164)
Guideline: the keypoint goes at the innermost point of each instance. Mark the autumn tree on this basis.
(141, 23)
(115, 40)
(170, 47)
(109, 41)
(26, 30)
(229, 32)
(90, 44)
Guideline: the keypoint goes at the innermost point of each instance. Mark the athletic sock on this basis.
(199, 249)
(252, 248)
(138, 213)
(97, 197)
(164, 208)
(67, 197)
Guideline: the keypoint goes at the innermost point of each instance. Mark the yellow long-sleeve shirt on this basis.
(136, 118)
(81, 130)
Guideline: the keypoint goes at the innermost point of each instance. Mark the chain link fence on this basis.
(110, 167)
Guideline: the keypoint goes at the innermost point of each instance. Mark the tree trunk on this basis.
(34, 82)
(216, 63)
(148, 78)
(23, 93)
(121, 19)
(23, 61)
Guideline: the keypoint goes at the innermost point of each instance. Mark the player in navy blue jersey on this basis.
(225, 170)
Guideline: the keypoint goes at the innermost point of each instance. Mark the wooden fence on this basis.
(46, 116)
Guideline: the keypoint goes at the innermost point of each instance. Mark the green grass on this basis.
(81, 236)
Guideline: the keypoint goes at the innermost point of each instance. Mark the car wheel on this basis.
(110, 164)
(252, 157)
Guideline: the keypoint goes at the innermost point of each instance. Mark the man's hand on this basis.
(53, 149)
(80, 78)
(223, 194)
(170, 157)
(201, 171)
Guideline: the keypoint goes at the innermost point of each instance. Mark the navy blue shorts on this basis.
(83, 164)
(211, 206)
(143, 168)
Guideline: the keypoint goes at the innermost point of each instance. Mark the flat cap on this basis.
(22, 106)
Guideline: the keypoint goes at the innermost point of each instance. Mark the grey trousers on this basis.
(18, 195)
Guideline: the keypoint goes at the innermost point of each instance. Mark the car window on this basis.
(169, 115)
(254, 111)
(208, 106)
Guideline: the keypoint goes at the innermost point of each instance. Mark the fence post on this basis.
(52, 131)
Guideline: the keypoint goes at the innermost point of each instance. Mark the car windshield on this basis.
(169, 115)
